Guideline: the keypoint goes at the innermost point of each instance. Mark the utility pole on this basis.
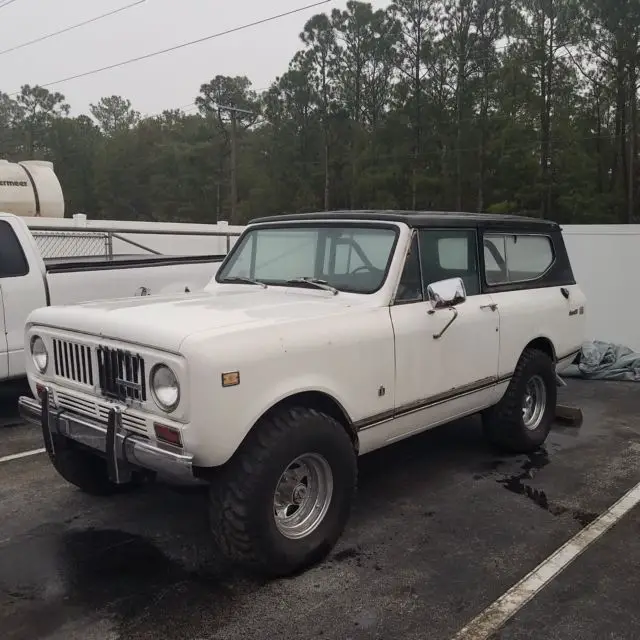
(234, 111)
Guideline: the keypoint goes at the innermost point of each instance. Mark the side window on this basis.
(12, 260)
(453, 253)
(450, 253)
(410, 286)
(519, 257)
(528, 257)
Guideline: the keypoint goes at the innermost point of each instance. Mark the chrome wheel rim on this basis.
(302, 496)
(534, 403)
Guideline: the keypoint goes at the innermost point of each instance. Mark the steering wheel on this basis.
(364, 266)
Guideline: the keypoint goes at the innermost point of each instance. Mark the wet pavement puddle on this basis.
(517, 484)
(47, 578)
(518, 481)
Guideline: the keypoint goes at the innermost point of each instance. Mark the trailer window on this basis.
(13, 263)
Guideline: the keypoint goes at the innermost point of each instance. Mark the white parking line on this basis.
(496, 614)
(24, 454)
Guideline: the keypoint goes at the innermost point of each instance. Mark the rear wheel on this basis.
(521, 421)
(280, 505)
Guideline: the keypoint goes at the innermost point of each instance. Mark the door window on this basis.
(450, 253)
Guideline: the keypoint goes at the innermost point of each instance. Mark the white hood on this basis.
(166, 321)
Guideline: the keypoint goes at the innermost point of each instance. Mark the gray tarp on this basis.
(605, 361)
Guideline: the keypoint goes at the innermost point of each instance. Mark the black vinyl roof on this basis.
(420, 219)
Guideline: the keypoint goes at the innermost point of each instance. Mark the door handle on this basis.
(493, 306)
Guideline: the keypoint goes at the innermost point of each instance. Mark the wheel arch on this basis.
(542, 343)
(322, 402)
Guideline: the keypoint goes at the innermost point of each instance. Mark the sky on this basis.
(167, 81)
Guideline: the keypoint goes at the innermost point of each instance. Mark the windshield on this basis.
(349, 258)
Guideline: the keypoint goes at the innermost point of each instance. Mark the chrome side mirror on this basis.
(445, 294)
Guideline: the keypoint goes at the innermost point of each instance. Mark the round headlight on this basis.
(165, 387)
(39, 354)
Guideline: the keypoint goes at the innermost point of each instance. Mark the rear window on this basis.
(13, 263)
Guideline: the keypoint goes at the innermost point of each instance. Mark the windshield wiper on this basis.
(244, 281)
(321, 284)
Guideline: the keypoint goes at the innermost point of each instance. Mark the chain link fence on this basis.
(108, 245)
(71, 244)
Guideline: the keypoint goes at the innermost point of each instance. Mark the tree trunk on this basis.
(459, 135)
(417, 149)
(483, 137)
(234, 169)
(326, 171)
(547, 135)
(600, 178)
(618, 126)
(632, 147)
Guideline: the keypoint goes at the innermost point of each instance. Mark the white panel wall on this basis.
(606, 264)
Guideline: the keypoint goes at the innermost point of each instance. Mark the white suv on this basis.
(322, 337)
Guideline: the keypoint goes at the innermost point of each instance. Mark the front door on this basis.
(445, 366)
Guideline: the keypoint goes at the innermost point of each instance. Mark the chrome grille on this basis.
(121, 374)
(73, 361)
(99, 412)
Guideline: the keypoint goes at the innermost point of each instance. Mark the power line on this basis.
(6, 4)
(71, 28)
(182, 45)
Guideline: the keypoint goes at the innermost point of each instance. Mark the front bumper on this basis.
(124, 451)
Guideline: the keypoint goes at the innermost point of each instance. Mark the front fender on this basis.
(231, 418)
(350, 360)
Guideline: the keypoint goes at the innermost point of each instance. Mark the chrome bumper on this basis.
(124, 451)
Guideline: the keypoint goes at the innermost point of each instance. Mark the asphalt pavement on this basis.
(442, 527)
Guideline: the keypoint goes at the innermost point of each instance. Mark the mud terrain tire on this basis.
(249, 521)
(506, 424)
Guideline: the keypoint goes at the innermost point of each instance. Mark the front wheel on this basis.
(280, 505)
(521, 421)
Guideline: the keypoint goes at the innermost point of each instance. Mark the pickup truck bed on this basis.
(27, 282)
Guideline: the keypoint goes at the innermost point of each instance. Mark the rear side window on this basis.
(12, 260)
(516, 258)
